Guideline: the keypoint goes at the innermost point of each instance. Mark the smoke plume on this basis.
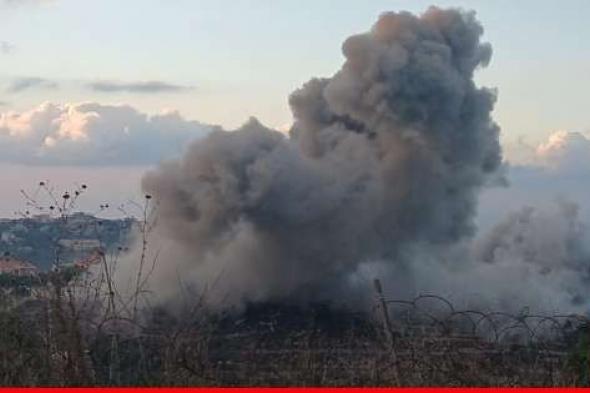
(388, 153)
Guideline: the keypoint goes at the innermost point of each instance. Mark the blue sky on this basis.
(220, 62)
(243, 57)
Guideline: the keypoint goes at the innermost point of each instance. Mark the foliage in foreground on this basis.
(56, 340)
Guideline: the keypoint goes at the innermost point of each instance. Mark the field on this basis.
(50, 338)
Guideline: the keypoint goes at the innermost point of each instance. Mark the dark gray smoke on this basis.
(387, 154)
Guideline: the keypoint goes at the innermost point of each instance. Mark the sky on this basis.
(73, 71)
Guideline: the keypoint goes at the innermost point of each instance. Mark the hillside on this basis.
(40, 239)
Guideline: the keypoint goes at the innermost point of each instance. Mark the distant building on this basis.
(16, 267)
(93, 259)
(80, 245)
(43, 241)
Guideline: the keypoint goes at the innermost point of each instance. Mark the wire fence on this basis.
(435, 315)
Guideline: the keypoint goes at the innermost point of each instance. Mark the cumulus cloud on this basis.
(565, 151)
(93, 134)
(145, 87)
(562, 151)
(21, 84)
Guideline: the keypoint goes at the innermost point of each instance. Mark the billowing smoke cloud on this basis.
(93, 134)
(533, 243)
(537, 257)
(387, 154)
(532, 258)
(549, 241)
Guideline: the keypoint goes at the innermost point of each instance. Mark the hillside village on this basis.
(32, 245)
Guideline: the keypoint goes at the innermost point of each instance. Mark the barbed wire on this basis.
(437, 316)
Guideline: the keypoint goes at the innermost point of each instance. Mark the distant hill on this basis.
(42, 239)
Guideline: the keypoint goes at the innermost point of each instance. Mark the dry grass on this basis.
(77, 330)
(51, 340)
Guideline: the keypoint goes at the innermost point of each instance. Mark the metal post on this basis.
(387, 327)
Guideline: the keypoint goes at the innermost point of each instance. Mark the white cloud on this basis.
(563, 151)
(93, 134)
(566, 151)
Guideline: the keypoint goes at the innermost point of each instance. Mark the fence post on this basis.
(384, 314)
(389, 336)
